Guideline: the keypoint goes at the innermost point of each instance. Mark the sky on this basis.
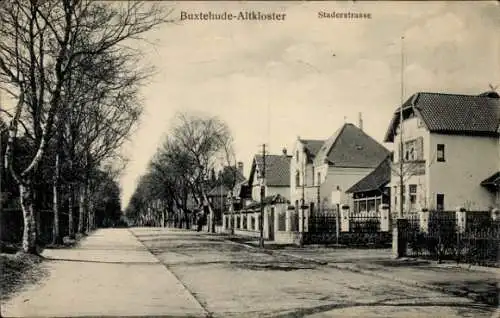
(275, 81)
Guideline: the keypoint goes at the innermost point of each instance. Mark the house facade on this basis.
(332, 168)
(450, 146)
(302, 171)
(369, 193)
(276, 179)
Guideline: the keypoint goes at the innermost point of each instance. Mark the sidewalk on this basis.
(110, 273)
(477, 283)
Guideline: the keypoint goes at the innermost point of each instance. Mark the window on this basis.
(395, 195)
(410, 152)
(297, 178)
(440, 153)
(440, 202)
(312, 176)
(413, 193)
(319, 178)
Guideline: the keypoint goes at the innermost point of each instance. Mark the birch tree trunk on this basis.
(91, 211)
(81, 208)
(56, 234)
(71, 226)
(29, 232)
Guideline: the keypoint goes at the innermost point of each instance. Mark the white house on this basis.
(276, 179)
(302, 173)
(322, 172)
(451, 152)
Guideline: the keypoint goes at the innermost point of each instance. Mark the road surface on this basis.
(164, 272)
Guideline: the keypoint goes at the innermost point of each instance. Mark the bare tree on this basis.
(181, 166)
(39, 48)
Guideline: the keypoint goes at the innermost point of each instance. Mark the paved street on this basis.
(193, 274)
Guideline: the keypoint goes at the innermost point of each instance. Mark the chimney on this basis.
(360, 121)
(240, 167)
(284, 152)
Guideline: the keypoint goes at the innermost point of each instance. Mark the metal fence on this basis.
(478, 243)
(364, 224)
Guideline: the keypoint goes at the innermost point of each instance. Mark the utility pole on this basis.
(318, 197)
(303, 199)
(401, 143)
(262, 193)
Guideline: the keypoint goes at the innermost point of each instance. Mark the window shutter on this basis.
(419, 147)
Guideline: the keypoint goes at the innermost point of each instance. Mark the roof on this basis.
(277, 169)
(453, 113)
(240, 189)
(217, 191)
(268, 200)
(375, 180)
(493, 180)
(351, 147)
(312, 146)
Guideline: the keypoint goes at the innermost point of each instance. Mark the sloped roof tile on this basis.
(350, 147)
(277, 169)
(493, 180)
(312, 146)
(453, 113)
(375, 179)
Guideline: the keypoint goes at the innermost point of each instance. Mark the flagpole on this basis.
(401, 144)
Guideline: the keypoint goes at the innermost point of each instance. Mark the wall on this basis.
(468, 161)
(343, 178)
(283, 237)
(413, 128)
(283, 191)
(299, 165)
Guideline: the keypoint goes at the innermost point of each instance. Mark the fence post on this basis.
(399, 239)
(384, 217)
(344, 215)
(265, 223)
(424, 220)
(461, 217)
(461, 214)
(224, 222)
(495, 214)
(241, 220)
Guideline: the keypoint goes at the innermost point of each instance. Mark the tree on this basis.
(41, 43)
(184, 165)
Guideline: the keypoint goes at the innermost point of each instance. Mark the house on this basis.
(302, 170)
(323, 170)
(218, 196)
(276, 179)
(242, 194)
(450, 152)
(373, 190)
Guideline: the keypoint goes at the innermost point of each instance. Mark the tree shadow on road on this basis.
(463, 308)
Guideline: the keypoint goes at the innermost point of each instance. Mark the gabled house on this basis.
(450, 151)
(276, 179)
(219, 194)
(332, 168)
(302, 173)
(373, 190)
